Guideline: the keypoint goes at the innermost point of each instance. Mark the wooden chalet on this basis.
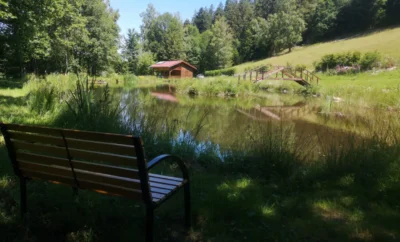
(174, 69)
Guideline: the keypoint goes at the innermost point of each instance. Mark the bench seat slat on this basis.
(81, 175)
(178, 179)
(159, 190)
(162, 187)
(46, 149)
(97, 187)
(97, 168)
(76, 154)
(164, 181)
(75, 134)
(34, 138)
(128, 150)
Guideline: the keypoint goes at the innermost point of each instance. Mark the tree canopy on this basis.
(44, 36)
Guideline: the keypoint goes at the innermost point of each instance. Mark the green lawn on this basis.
(386, 42)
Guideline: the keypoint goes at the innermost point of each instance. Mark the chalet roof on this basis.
(170, 64)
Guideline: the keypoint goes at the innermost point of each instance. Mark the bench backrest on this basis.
(106, 163)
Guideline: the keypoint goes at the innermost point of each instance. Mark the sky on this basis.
(130, 10)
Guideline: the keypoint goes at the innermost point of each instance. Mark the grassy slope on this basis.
(387, 42)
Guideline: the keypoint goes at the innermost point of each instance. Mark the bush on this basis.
(213, 73)
(370, 60)
(300, 67)
(388, 62)
(353, 61)
(227, 72)
(331, 61)
(264, 69)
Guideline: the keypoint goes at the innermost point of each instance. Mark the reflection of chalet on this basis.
(174, 69)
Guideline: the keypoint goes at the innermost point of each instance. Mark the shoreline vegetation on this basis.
(372, 89)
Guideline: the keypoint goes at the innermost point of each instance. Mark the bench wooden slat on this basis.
(164, 181)
(157, 195)
(41, 159)
(81, 175)
(105, 157)
(97, 187)
(159, 190)
(128, 150)
(163, 186)
(42, 149)
(75, 134)
(106, 169)
(102, 147)
(34, 138)
(76, 154)
(97, 168)
(178, 179)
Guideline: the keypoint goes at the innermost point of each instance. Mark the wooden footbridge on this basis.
(282, 73)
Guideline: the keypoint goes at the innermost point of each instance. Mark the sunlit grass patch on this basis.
(329, 210)
(84, 235)
(5, 182)
(268, 210)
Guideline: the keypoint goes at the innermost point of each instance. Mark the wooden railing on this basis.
(281, 73)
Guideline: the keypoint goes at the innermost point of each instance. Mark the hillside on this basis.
(386, 42)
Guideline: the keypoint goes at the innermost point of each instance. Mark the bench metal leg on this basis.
(22, 184)
(149, 223)
(188, 217)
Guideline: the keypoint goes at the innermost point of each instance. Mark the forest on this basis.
(61, 36)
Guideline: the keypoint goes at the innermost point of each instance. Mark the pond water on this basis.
(224, 121)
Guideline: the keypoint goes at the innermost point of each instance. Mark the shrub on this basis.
(370, 60)
(265, 68)
(213, 73)
(300, 67)
(353, 61)
(193, 91)
(227, 72)
(388, 62)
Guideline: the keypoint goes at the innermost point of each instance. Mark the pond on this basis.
(314, 123)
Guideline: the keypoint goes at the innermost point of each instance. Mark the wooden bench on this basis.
(106, 163)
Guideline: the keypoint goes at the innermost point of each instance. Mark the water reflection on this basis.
(221, 121)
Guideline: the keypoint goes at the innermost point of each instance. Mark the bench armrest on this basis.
(158, 159)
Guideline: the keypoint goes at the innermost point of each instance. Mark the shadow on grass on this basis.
(11, 83)
(325, 206)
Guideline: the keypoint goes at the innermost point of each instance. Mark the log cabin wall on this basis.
(186, 72)
(174, 69)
